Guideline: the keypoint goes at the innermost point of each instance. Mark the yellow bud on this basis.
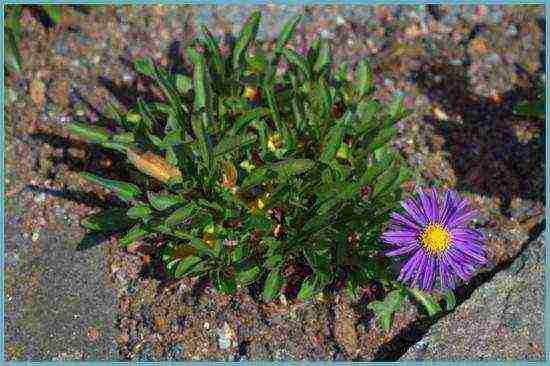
(153, 165)
(251, 93)
(343, 152)
(133, 117)
(274, 142)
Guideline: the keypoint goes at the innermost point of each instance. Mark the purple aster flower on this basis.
(433, 232)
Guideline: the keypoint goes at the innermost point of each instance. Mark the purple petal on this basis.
(403, 250)
(460, 269)
(447, 208)
(470, 253)
(412, 208)
(400, 237)
(447, 280)
(467, 234)
(427, 282)
(404, 220)
(470, 245)
(407, 270)
(421, 268)
(425, 204)
(459, 219)
(435, 204)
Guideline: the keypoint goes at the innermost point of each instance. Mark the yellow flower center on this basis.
(435, 238)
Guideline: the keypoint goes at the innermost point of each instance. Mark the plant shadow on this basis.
(484, 147)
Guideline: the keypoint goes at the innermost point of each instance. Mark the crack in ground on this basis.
(398, 346)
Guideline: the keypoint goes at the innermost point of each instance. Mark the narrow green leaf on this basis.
(299, 61)
(118, 146)
(214, 50)
(146, 114)
(247, 276)
(249, 117)
(181, 214)
(286, 33)
(145, 66)
(224, 283)
(126, 191)
(107, 221)
(365, 80)
(450, 300)
(127, 137)
(426, 300)
(324, 59)
(135, 233)
(292, 166)
(161, 202)
(273, 285)
(307, 289)
(139, 211)
(233, 142)
(335, 137)
(186, 265)
(199, 78)
(93, 134)
(201, 247)
(54, 12)
(183, 83)
(247, 35)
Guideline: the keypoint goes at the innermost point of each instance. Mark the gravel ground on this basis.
(461, 68)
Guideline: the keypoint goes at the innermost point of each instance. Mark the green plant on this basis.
(536, 109)
(246, 175)
(12, 31)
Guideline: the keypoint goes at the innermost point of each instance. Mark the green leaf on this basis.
(384, 310)
(126, 191)
(199, 78)
(181, 214)
(292, 166)
(110, 220)
(249, 117)
(186, 265)
(145, 66)
(231, 143)
(214, 50)
(161, 202)
(335, 137)
(146, 114)
(324, 59)
(224, 283)
(286, 33)
(246, 276)
(307, 289)
(299, 61)
(247, 35)
(135, 233)
(426, 300)
(450, 300)
(256, 177)
(204, 146)
(386, 182)
(139, 211)
(313, 52)
(127, 137)
(54, 12)
(13, 57)
(201, 247)
(183, 83)
(272, 285)
(93, 134)
(118, 146)
(365, 80)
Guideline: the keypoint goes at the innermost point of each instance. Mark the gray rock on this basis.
(502, 320)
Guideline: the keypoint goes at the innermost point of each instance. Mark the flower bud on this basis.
(153, 165)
